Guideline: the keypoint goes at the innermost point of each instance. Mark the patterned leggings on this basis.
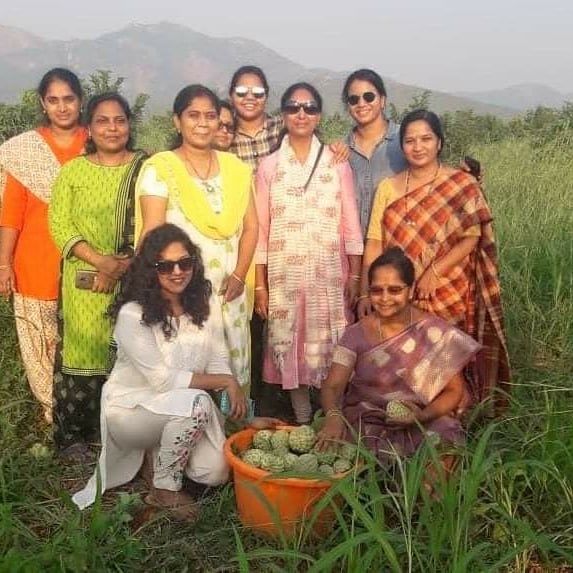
(182, 445)
(76, 407)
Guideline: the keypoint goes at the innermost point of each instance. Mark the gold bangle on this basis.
(258, 288)
(334, 412)
(4, 267)
(362, 296)
(236, 276)
(355, 277)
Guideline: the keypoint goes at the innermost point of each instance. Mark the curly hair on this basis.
(140, 283)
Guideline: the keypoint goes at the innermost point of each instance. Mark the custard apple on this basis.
(302, 439)
(396, 410)
(262, 440)
(326, 456)
(306, 463)
(348, 452)
(326, 469)
(279, 442)
(341, 465)
(289, 460)
(272, 463)
(253, 457)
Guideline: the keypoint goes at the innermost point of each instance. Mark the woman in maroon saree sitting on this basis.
(397, 353)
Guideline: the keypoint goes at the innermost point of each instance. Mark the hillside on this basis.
(521, 96)
(159, 59)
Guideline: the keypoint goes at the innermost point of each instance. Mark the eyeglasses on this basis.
(293, 107)
(368, 97)
(167, 267)
(227, 126)
(257, 92)
(393, 290)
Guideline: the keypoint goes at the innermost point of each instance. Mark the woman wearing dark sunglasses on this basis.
(156, 399)
(375, 151)
(308, 254)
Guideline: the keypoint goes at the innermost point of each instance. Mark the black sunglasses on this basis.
(293, 107)
(368, 97)
(167, 267)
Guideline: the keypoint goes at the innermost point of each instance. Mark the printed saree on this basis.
(427, 226)
(415, 366)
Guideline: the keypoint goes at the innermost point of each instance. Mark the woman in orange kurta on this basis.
(29, 259)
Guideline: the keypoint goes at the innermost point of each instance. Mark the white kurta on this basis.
(154, 373)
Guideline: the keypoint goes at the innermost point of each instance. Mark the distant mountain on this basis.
(159, 59)
(14, 39)
(521, 97)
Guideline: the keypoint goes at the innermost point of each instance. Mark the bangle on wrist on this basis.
(334, 412)
(362, 296)
(434, 271)
(4, 267)
(259, 288)
(237, 277)
(355, 277)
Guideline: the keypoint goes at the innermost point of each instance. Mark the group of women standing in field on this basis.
(246, 212)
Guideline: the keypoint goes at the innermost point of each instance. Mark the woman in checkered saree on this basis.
(440, 218)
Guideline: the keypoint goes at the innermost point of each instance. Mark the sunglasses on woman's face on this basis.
(257, 92)
(293, 107)
(393, 290)
(167, 267)
(368, 97)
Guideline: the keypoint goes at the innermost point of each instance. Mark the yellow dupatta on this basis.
(236, 177)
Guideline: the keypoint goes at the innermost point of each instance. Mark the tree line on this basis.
(464, 129)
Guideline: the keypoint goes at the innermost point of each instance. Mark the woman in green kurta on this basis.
(90, 219)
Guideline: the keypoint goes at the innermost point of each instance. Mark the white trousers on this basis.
(189, 445)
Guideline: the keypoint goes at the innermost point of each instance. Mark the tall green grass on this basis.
(508, 505)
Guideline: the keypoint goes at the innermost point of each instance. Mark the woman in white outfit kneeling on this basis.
(169, 355)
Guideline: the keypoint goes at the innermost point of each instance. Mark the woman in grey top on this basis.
(375, 151)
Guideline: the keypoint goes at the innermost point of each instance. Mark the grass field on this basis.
(509, 506)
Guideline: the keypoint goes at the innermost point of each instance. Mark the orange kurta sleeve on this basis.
(14, 203)
(36, 258)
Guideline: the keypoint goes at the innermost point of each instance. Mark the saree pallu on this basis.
(414, 366)
(427, 226)
(94, 204)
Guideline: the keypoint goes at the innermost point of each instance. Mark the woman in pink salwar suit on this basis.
(308, 254)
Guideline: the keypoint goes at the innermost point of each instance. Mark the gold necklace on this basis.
(407, 218)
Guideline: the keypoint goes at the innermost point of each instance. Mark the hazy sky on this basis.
(445, 44)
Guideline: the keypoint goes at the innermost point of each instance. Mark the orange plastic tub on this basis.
(274, 505)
